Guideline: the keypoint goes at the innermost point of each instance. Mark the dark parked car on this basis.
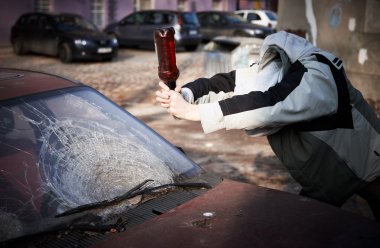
(223, 23)
(68, 36)
(76, 170)
(137, 28)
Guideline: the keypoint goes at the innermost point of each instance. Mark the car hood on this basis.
(236, 214)
(111, 26)
(86, 34)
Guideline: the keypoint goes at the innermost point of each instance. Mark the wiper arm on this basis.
(93, 205)
(135, 191)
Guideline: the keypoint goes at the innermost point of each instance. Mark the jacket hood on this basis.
(294, 46)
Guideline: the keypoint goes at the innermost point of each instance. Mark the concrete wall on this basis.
(348, 28)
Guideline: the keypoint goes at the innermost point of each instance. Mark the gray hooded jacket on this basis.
(317, 123)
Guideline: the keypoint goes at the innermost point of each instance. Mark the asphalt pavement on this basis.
(131, 80)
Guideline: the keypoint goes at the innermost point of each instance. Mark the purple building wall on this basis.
(9, 13)
(165, 4)
(77, 7)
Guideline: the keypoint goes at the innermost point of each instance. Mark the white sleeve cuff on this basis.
(212, 118)
(188, 95)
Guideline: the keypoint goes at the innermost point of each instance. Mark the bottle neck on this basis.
(171, 85)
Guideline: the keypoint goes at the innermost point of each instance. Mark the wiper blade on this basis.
(135, 191)
(93, 205)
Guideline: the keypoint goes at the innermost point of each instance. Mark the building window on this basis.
(142, 4)
(217, 5)
(42, 6)
(97, 12)
(112, 6)
(181, 5)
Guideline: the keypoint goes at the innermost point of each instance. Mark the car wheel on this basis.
(65, 54)
(191, 48)
(18, 47)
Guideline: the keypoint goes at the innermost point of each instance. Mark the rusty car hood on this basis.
(236, 214)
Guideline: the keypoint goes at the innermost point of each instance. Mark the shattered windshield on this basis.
(72, 147)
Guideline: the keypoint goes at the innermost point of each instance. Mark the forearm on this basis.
(219, 83)
(301, 96)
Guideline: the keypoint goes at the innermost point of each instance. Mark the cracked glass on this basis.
(66, 148)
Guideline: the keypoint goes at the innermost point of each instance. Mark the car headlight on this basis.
(114, 41)
(80, 42)
(254, 31)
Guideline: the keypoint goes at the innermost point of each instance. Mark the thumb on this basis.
(178, 89)
(163, 86)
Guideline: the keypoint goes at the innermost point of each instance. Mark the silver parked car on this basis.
(265, 18)
(137, 28)
(224, 23)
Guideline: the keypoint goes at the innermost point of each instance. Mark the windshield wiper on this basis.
(135, 191)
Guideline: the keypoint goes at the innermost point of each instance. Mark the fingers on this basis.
(162, 94)
(177, 89)
(169, 99)
(163, 86)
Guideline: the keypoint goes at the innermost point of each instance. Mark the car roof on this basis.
(161, 11)
(16, 83)
(53, 14)
(215, 11)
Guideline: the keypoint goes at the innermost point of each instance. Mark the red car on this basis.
(76, 170)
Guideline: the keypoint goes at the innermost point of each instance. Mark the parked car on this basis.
(76, 170)
(68, 36)
(137, 28)
(223, 23)
(265, 18)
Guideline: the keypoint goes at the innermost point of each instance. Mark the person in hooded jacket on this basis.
(317, 123)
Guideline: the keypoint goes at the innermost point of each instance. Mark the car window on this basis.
(233, 18)
(189, 18)
(158, 18)
(203, 18)
(272, 16)
(253, 17)
(215, 18)
(22, 20)
(32, 21)
(44, 23)
(136, 18)
(71, 22)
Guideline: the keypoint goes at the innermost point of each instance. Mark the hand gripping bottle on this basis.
(165, 50)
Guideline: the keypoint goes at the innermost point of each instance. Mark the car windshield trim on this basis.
(137, 190)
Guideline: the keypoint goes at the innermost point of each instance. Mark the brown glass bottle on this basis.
(165, 50)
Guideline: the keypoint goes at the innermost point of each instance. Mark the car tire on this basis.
(65, 54)
(191, 48)
(18, 47)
